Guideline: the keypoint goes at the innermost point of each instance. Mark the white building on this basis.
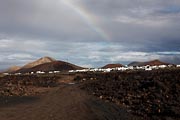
(6, 73)
(177, 65)
(56, 71)
(122, 68)
(162, 66)
(18, 73)
(40, 72)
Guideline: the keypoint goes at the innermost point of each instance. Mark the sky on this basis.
(89, 33)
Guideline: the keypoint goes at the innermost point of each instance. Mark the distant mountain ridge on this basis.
(151, 63)
(112, 66)
(50, 64)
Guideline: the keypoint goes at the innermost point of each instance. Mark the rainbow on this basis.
(88, 18)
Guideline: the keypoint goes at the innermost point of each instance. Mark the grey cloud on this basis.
(138, 30)
(42, 19)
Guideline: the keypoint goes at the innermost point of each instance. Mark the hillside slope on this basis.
(52, 66)
(112, 66)
(12, 69)
(151, 63)
(39, 62)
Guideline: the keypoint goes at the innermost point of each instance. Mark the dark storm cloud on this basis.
(151, 25)
(75, 30)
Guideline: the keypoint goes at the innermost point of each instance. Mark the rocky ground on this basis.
(25, 85)
(130, 95)
(153, 95)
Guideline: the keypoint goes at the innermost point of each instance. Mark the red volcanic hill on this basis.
(35, 63)
(47, 64)
(156, 62)
(112, 66)
(52, 66)
(39, 62)
(151, 63)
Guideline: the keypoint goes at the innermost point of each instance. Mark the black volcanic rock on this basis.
(152, 95)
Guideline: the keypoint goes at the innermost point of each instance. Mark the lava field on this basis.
(23, 85)
(152, 95)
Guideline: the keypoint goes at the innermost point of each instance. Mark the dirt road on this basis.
(66, 102)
